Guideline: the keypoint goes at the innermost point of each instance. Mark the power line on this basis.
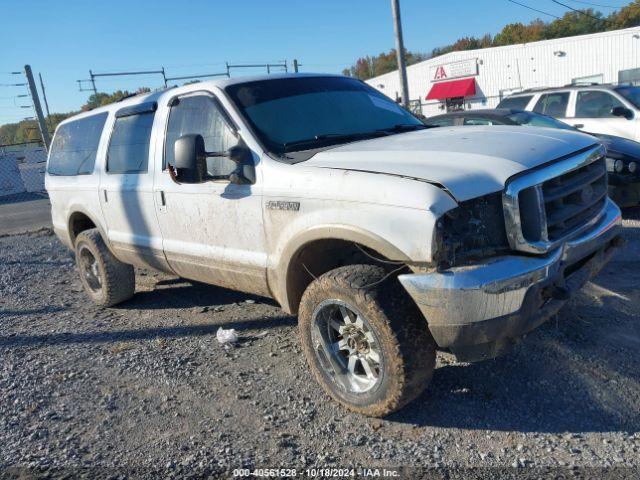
(534, 9)
(580, 11)
(596, 4)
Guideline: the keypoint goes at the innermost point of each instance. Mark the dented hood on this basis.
(467, 161)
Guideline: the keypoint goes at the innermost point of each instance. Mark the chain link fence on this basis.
(22, 168)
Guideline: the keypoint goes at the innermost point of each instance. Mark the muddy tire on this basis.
(106, 279)
(365, 340)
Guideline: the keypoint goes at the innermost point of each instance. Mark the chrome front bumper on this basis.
(477, 311)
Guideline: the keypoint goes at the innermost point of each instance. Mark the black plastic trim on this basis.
(147, 107)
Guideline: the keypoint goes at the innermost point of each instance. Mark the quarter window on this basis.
(595, 104)
(75, 146)
(129, 145)
(553, 104)
(199, 114)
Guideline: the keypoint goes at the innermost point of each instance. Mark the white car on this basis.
(607, 109)
(386, 238)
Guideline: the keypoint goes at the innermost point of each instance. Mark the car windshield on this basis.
(535, 120)
(630, 93)
(304, 113)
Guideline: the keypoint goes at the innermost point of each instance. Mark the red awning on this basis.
(455, 88)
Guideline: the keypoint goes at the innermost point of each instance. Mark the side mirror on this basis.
(190, 158)
(622, 112)
(245, 171)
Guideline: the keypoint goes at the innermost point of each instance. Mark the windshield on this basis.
(630, 93)
(302, 113)
(535, 120)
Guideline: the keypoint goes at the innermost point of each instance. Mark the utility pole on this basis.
(402, 69)
(44, 97)
(36, 105)
(295, 65)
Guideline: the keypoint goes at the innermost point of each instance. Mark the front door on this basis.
(593, 114)
(126, 189)
(212, 231)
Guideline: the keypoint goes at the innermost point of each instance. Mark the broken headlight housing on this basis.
(474, 230)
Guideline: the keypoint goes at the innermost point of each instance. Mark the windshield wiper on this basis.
(337, 137)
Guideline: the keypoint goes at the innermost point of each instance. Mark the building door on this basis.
(454, 104)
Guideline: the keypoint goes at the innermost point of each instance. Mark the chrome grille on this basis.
(554, 203)
(574, 198)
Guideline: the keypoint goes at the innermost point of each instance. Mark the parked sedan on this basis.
(623, 155)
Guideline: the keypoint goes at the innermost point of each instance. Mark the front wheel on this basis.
(365, 341)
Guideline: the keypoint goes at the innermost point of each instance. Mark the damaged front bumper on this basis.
(478, 311)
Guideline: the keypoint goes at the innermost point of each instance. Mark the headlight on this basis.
(473, 230)
(633, 167)
(618, 166)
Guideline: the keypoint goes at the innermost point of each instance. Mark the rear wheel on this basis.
(365, 341)
(106, 279)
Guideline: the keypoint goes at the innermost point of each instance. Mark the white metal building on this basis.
(481, 78)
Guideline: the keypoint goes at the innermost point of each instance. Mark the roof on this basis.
(602, 86)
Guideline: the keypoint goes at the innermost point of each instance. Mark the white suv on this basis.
(608, 109)
(387, 238)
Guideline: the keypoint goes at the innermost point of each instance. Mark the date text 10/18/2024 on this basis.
(317, 472)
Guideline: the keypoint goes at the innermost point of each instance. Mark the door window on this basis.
(553, 104)
(129, 145)
(595, 104)
(200, 114)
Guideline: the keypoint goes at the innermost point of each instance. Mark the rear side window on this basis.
(129, 144)
(516, 103)
(553, 104)
(75, 145)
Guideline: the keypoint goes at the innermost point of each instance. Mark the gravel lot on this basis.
(145, 389)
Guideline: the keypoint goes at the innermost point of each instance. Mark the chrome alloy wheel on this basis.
(347, 348)
(90, 269)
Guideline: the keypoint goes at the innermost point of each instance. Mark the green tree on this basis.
(626, 17)
(28, 131)
(100, 99)
(367, 67)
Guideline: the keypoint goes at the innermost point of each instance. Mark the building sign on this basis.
(463, 68)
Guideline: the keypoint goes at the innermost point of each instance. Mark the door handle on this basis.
(162, 201)
(578, 125)
(106, 198)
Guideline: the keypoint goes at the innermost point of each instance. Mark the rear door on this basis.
(553, 104)
(593, 114)
(126, 189)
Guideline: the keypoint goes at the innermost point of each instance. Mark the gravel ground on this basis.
(145, 389)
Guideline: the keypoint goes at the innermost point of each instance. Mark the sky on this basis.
(62, 40)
